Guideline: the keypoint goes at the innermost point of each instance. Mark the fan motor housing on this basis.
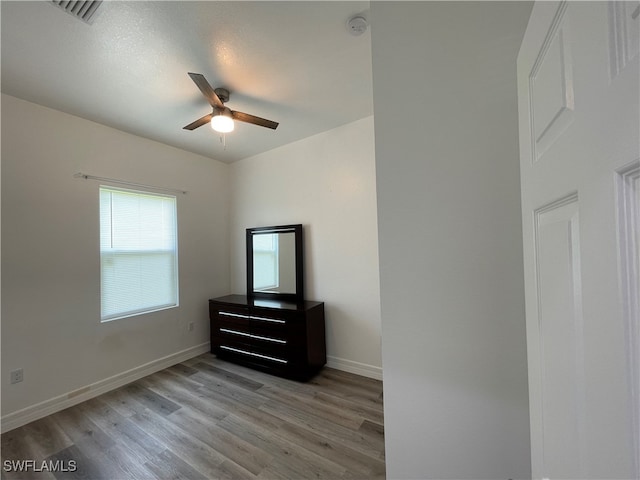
(223, 94)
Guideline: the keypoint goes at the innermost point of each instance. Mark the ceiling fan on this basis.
(222, 117)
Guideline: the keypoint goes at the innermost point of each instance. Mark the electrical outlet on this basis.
(190, 326)
(17, 376)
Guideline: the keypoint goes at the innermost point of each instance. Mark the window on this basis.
(138, 253)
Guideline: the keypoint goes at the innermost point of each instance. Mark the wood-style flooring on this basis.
(210, 419)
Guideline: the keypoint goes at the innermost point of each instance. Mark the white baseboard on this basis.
(53, 405)
(354, 367)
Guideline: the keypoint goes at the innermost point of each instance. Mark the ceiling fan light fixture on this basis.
(222, 121)
(221, 118)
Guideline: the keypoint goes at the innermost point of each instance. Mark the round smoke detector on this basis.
(357, 25)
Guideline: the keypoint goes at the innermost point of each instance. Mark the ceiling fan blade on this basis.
(206, 90)
(245, 117)
(199, 122)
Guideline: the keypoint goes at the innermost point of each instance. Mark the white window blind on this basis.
(138, 252)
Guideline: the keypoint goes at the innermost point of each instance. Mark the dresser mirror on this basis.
(274, 262)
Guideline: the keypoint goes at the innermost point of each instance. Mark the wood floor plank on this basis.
(118, 459)
(96, 449)
(79, 428)
(346, 390)
(333, 450)
(121, 456)
(287, 456)
(207, 418)
(94, 467)
(358, 476)
(173, 388)
(166, 465)
(373, 428)
(230, 446)
(19, 473)
(361, 441)
(229, 470)
(239, 394)
(150, 399)
(230, 377)
(122, 402)
(36, 441)
(313, 406)
(198, 454)
(353, 379)
(257, 416)
(368, 412)
(183, 369)
(288, 469)
(140, 446)
(186, 382)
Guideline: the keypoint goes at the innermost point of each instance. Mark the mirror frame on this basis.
(299, 293)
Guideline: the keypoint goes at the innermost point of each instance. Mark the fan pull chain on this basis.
(223, 141)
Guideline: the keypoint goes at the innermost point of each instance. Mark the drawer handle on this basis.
(252, 317)
(229, 314)
(256, 337)
(253, 354)
(274, 320)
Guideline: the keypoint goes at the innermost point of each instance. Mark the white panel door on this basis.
(579, 110)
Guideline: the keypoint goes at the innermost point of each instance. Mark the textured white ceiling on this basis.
(292, 62)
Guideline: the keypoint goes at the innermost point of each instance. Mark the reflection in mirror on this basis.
(274, 263)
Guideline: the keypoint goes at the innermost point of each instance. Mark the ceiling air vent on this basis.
(82, 10)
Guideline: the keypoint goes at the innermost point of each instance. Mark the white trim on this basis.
(66, 400)
(358, 368)
(628, 222)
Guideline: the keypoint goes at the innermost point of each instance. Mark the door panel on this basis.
(560, 320)
(579, 108)
(551, 87)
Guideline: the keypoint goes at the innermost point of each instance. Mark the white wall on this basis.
(327, 183)
(454, 350)
(50, 259)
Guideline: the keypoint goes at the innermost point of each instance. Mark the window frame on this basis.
(175, 280)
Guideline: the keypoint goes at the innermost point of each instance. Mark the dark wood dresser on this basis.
(281, 337)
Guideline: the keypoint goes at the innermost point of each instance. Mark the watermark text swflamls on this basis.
(43, 466)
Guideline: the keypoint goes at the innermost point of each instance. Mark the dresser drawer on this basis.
(227, 316)
(290, 351)
(229, 330)
(289, 316)
(265, 326)
(283, 322)
(223, 332)
(224, 344)
(252, 354)
(220, 321)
